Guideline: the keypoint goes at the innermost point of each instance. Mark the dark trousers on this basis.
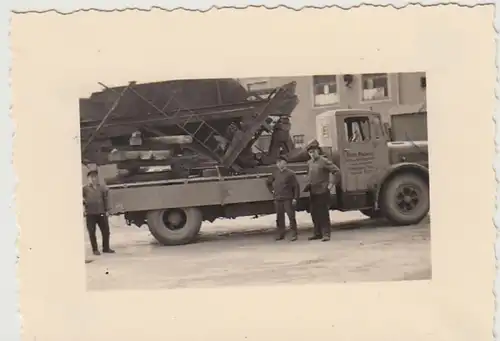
(282, 207)
(320, 213)
(92, 221)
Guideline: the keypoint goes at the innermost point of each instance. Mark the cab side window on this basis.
(357, 129)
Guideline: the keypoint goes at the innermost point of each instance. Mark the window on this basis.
(324, 131)
(423, 82)
(258, 84)
(260, 87)
(325, 90)
(357, 129)
(375, 87)
(298, 141)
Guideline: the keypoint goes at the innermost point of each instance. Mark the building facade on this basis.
(386, 93)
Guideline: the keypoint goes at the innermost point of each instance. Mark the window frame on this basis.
(313, 92)
(362, 89)
(255, 81)
(296, 144)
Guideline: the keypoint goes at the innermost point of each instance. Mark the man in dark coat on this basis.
(95, 200)
(320, 169)
(284, 186)
(281, 140)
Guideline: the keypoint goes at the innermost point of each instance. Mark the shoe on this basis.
(314, 238)
(326, 239)
(96, 252)
(294, 238)
(108, 251)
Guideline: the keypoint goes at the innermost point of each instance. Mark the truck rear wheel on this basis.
(175, 226)
(405, 199)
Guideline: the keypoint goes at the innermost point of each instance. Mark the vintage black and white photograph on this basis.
(194, 183)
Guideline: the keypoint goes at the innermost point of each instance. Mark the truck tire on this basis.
(175, 226)
(405, 199)
(371, 213)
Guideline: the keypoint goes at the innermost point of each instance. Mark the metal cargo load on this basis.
(184, 126)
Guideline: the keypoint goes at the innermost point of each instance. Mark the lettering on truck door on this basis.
(357, 152)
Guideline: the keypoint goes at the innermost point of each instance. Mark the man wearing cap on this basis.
(95, 201)
(320, 169)
(284, 186)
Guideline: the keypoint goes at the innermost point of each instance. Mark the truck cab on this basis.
(378, 176)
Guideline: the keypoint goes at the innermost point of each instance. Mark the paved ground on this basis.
(243, 252)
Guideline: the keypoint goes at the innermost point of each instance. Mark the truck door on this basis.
(362, 153)
(379, 142)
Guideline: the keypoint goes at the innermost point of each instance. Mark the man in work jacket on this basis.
(95, 200)
(284, 186)
(320, 169)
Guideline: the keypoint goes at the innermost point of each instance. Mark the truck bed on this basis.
(197, 191)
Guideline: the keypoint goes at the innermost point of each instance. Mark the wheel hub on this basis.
(174, 219)
(407, 198)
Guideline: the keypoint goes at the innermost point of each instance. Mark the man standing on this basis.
(320, 169)
(283, 184)
(95, 200)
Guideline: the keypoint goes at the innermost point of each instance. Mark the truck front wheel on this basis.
(175, 226)
(405, 199)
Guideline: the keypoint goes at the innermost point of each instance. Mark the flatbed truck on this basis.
(381, 178)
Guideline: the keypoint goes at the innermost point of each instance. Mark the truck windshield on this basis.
(357, 129)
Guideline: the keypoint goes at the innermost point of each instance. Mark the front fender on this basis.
(395, 169)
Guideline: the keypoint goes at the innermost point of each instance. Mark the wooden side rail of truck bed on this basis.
(192, 192)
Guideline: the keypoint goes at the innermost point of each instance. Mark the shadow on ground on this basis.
(236, 235)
